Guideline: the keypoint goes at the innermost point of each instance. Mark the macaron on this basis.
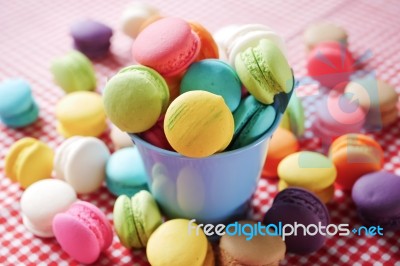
(198, 124)
(156, 135)
(18, 108)
(214, 76)
(81, 113)
(252, 119)
(74, 72)
(264, 71)
(309, 170)
(324, 31)
(377, 98)
(377, 199)
(168, 45)
(282, 143)
(135, 15)
(119, 139)
(81, 162)
(83, 232)
(172, 244)
(91, 37)
(28, 160)
(330, 63)
(336, 115)
(259, 250)
(125, 172)
(355, 155)
(41, 201)
(293, 118)
(248, 36)
(299, 205)
(208, 46)
(135, 98)
(136, 218)
(221, 37)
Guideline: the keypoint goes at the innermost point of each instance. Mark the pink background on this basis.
(32, 33)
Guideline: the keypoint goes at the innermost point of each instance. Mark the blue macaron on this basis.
(214, 76)
(17, 105)
(125, 172)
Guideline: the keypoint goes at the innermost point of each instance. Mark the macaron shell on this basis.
(171, 244)
(198, 124)
(87, 131)
(264, 71)
(146, 216)
(23, 119)
(12, 156)
(210, 257)
(41, 201)
(208, 48)
(149, 48)
(146, 96)
(325, 195)
(134, 16)
(90, 32)
(309, 170)
(119, 138)
(85, 166)
(323, 32)
(124, 222)
(15, 97)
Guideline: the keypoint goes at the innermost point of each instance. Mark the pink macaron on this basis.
(168, 45)
(330, 63)
(83, 231)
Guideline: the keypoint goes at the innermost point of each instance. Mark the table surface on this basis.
(32, 33)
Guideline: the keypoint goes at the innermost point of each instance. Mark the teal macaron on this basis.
(214, 76)
(136, 218)
(74, 72)
(125, 172)
(252, 120)
(17, 105)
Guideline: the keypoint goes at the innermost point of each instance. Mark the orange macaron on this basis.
(355, 155)
(282, 143)
(209, 48)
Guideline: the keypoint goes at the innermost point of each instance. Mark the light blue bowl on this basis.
(215, 189)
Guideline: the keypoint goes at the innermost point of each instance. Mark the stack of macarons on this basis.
(18, 108)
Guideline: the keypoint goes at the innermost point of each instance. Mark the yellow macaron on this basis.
(29, 160)
(309, 170)
(81, 113)
(198, 124)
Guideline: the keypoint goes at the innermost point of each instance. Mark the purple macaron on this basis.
(92, 38)
(377, 198)
(299, 205)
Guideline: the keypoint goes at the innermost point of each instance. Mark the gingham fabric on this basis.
(32, 33)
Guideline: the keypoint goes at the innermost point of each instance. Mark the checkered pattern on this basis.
(34, 32)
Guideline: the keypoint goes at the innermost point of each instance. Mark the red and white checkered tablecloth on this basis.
(32, 33)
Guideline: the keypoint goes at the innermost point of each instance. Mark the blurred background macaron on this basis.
(293, 118)
(125, 172)
(324, 31)
(259, 250)
(41, 201)
(299, 205)
(136, 218)
(28, 160)
(91, 38)
(81, 113)
(81, 162)
(309, 170)
(119, 138)
(18, 108)
(377, 199)
(74, 72)
(377, 98)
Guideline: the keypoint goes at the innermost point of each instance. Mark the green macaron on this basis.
(74, 72)
(136, 218)
(264, 71)
(135, 98)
